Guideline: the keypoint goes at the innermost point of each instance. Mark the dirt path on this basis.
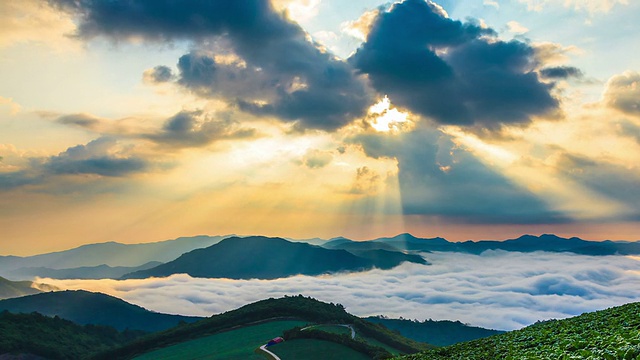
(274, 356)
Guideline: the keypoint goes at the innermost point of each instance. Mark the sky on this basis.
(141, 120)
(496, 289)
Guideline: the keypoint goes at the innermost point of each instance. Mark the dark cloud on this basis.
(82, 120)
(299, 82)
(94, 158)
(195, 129)
(158, 74)
(98, 158)
(561, 72)
(315, 158)
(449, 70)
(623, 93)
(437, 178)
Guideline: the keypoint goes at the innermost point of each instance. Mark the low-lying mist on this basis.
(497, 289)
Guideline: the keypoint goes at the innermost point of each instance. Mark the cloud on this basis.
(101, 158)
(87, 121)
(516, 28)
(196, 129)
(315, 158)
(281, 74)
(23, 21)
(590, 6)
(496, 289)
(438, 178)
(453, 72)
(158, 74)
(623, 93)
(561, 72)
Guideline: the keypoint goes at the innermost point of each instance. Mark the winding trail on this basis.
(274, 356)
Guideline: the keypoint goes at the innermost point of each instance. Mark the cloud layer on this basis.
(497, 289)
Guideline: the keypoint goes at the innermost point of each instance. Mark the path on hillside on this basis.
(274, 356)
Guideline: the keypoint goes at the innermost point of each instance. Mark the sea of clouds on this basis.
(497, 289)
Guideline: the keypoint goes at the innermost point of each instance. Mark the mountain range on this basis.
(115, 260)
(269, 258)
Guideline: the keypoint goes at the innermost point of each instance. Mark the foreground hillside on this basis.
(610, 334)
(55, 338)
(262, 257)
(84, 307)
(299, 308)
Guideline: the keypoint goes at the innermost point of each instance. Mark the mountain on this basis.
(83, 307)
(87, 272)
(525, 243)
(11, 289)
(109, 253)
(349, 245)
(605, 334)
(37, 337)
(290, 307)
(439, 333)
(409, 242)
(264, 258)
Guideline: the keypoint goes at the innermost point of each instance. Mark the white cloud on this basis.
(497, 289)
(590, 6)
(516, 28)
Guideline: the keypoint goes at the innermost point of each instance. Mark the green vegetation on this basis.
(55, 338)
(359, 345)
(312, 349)
(296, 307)
(334, 329)
(610, 334)
(234, 344)
(439, 333)
(84, 307)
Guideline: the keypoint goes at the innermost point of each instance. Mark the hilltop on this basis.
(296, 307)
(11, 289)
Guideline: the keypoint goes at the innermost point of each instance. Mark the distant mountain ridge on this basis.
(11, 289)
(269, 258)
(84, 307)
(525, 243)
(112, 254)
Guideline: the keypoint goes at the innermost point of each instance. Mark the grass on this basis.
(334, 329)
(375, 342)
(310, 349)
(238, 344)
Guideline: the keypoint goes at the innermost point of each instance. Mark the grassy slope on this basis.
(608, 334)
(298, 307)
(238, 344)
(312, 349)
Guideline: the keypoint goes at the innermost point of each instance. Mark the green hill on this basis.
(269, 258)
(83, 307)
(11, 289)
(435, 332)
(293, 308)
(610, 334)
(22, 335)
